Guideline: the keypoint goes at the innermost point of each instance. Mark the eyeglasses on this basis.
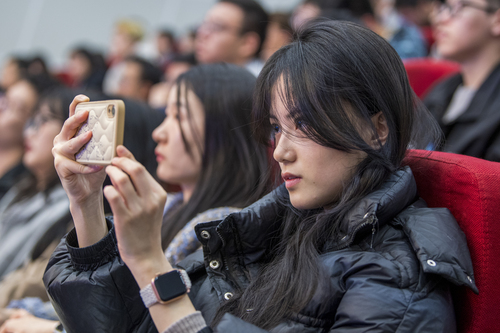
(451, 10)
(214, 27)
(36, 122)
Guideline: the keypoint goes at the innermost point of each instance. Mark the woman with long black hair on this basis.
(344, 245)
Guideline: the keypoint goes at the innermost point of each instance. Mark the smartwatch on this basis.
(166, 287)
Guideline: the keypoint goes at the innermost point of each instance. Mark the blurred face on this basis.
(463, 29)
(20, 99)
(177, 165)
(38, 141)
(10, 74)
(304, 13)
(79, 67)
(218, 38)
(314, 175)
(130, 84)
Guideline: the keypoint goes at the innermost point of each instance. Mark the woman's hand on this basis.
(28, 324)
(82, 183)
(137, 202)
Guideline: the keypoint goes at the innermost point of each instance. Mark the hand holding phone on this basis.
(106, 120)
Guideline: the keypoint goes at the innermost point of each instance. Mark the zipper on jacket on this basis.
(372, 221)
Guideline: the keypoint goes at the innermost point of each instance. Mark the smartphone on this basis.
(106, 120)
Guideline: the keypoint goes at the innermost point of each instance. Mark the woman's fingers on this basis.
(72, 146)
(141, 179)
(78, 99)
(122, 151)
(66, 167)
(123, 185)
(116, 202)
(72, 125)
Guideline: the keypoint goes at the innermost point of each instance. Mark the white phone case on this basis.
(106, 120)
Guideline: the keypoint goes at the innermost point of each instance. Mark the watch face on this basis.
(170, 285)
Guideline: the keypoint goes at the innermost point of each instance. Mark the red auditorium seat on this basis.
(470, 188)
(424, 72)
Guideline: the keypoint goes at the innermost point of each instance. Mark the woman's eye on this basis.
(300, 124)
(275, 128)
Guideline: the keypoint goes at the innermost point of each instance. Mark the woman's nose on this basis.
(283, 151)
(160, 133)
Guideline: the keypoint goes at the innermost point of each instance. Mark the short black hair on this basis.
(255, 19)
(149, 72)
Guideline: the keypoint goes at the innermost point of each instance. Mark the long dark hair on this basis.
(235, 166)
(333, 76)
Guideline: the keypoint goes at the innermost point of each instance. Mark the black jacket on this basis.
(390, 273)
(477, 131)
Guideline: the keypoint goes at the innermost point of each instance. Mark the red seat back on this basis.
(470, 188)
(424, 72)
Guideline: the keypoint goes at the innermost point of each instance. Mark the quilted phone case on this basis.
(106, 121)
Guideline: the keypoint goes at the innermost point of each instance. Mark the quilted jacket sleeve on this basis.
(92, 290)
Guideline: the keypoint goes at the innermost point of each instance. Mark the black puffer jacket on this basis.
(389, 274)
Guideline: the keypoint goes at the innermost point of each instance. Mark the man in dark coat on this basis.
(467, 105)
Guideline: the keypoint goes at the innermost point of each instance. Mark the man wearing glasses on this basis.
(233, 31)
(467, 105)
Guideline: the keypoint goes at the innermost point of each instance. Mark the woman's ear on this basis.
(380, 124)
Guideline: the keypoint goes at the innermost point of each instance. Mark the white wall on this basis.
(52, 27)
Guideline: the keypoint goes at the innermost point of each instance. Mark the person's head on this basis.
(416, 11)
(165, 42)
(341, 91)
(179, 64)
(126, 35)
(138, 76)
(279, 33)
(80, 64)
(13, 70)
(205, 143)
(465, 30)
(21, 98)
(342, 113)
(46, 122)
(233, 31)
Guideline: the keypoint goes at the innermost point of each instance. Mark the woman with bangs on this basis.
(344, 245)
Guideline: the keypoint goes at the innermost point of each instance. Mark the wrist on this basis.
(89, 220)
(145, 269)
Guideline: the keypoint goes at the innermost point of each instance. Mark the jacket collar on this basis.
(249, 233)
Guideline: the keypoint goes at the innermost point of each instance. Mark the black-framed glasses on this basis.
(451, 10)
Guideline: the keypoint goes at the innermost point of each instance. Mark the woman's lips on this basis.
(290, 180)
(159, 157)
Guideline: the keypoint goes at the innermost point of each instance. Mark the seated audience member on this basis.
(343, 245)
(19, 102)
(166, 47)
(279, 33)
(137, 78)
(233, 31)
(126, 36)
(207, 124)
(467, 105)
(403, 35)
(33, 210)
(181, 63)
(86, 69)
